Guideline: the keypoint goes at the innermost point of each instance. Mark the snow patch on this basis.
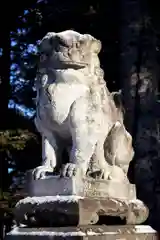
(24, 232)
(49, 199)
(144, 229)
(139, 229)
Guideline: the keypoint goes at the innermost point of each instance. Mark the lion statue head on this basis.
(69, 48)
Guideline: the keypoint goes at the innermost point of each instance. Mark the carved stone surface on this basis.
(73, 210)
(88, 187)
(72, 201)
(76, 112)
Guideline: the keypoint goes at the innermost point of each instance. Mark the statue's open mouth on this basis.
(75, 64)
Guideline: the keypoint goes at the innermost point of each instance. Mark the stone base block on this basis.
(82, 233)
(74, 211)
(55, 185)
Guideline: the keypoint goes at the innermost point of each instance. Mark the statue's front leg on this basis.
(49, 148)
(83, 139)
(80, 156)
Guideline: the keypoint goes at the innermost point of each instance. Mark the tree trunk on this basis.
(139, 87)
(129, 33)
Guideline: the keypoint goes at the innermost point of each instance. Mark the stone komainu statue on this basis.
(76, 111)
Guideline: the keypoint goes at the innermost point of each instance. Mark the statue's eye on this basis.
(62, 42)
(57, 43)
(78, 44)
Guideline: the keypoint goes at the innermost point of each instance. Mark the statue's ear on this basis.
(96, 46)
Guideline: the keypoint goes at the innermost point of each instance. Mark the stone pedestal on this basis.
(56, 201)
(74, 211)
(88, 187)
(85, 232)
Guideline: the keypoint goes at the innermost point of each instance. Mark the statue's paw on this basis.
(117, 174)
(40, 172)
(69, 170)
(104, 174)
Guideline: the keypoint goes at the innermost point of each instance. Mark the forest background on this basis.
(130, 34)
